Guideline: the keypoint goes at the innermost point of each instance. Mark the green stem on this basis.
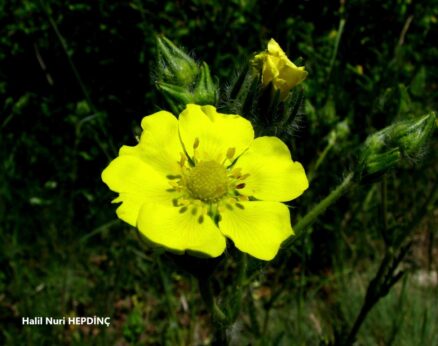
(320, 208)
(372, 296)
(321, 159)
(384, 210)
(336, 47)
(237, 294)
(69, 59)
(218, 317)
(208, 297)
(169, 300)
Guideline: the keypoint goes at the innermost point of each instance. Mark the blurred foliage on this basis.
(75, 81)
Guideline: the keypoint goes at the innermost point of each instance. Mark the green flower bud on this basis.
(384, 149)
(176, 96)
(174, 65)
(205, 91)
(380, 163)
(412, 136)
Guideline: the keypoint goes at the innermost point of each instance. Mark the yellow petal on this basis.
(159, 144)
(136, 182)
(273, 176)
(292, 75)
(257, 228)
(213, 133)
(275, 49)
(167, 226)
(270, 70)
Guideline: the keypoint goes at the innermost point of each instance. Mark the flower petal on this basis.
(136, 182)
(214, 132)
(258, 228)
(273, 176)
(270, 69)
(292, 74)
(168, 226)
(275, 49)
(159, 144)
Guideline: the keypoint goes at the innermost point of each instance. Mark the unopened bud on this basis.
(277, 70)
(205, 91)
(412, 136)
(174, 65)
(384, 149)
(176, 96)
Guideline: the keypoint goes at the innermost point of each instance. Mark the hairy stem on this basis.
(320, 208)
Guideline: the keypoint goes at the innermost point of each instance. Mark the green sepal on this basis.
(174, 65)
(205, 91)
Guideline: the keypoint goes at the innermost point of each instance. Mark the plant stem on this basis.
(219, 319)
(384, 209)
(336, 47)
(236, 296)
(169, 301)
(207, 295)
(321, 159)
(372, 296)
(320, 208)
(68, 55)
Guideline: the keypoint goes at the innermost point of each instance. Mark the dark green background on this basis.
(77, 77)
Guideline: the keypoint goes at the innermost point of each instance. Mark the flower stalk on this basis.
(321, 207)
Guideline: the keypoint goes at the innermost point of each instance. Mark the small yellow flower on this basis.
(192, 182)
(278, 69)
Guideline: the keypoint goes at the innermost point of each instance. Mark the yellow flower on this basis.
(278, 69)
(192, 182)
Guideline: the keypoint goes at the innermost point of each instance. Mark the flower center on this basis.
(208, 181)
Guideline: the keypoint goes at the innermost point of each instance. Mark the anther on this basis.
(236, 173)
(183, 159)
(196, 143)
(230, 153)
(172, 177)
(240, 186)
(238, 205)
(183, 210)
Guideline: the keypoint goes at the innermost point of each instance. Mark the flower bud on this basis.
(278, 70)
(412, 136)
(386, 148)
(205, 91)
(174, 65)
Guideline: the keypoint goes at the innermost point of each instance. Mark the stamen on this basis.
(183, 160)
(172, 177)
(236, 173)
(244, 176)
(240, 186)
(196, 143)
(183, 201)
(230, 153)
